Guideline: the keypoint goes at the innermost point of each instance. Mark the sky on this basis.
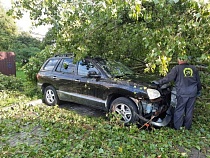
(25, 23)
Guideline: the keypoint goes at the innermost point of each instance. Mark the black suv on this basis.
(105, 84)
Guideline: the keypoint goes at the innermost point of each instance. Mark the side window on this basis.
(50, 64)
(66, 66)
(85, 66)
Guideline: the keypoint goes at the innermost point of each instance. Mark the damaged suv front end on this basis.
(154, 104)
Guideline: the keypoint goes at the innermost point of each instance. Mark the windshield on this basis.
(114, 68)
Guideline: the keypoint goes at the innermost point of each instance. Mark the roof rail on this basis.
(64, 55)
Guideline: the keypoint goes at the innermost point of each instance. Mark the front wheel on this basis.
(50, 96)
(126, 109)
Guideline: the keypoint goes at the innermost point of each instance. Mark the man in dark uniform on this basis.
(188, 85)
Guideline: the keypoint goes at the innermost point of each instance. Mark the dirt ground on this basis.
(84, 110)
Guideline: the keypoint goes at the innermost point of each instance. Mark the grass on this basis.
(21, 75)
(43, 131)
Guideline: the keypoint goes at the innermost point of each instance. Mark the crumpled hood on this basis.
(137, 80)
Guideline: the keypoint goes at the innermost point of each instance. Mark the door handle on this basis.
(77, 80)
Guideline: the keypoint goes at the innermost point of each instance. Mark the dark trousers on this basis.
(183, 113)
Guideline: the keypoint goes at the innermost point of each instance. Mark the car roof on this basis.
(62, 56)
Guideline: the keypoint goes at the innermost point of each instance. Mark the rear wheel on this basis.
(126, 109)
(50, 96)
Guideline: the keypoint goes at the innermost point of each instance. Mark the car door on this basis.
(64, 78)
(88, 87)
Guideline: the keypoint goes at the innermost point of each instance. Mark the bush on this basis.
(35, 63)
(31, 90)
(10, 83)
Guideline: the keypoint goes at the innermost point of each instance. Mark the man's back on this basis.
(187, 80)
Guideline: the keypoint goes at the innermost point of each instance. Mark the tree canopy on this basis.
(8, 30)
(11, 39)
(25, 46)
(152, 31)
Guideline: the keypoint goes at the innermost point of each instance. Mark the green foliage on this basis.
(25, 46)
(43, 131)
(35, 62)
(155, 32)
(10, 83)
(205, 80)
(29, 88)
(8, 30)
(21, 43)
(49, 38)
(11, 97)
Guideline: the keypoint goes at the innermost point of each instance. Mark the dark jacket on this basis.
(186, 78)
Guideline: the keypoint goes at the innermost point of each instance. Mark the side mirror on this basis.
(93, 74)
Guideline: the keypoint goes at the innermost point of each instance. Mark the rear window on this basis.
(50, 64)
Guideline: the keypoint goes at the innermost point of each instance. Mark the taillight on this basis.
(37, 76)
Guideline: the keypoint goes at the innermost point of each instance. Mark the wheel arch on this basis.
(44, 85)
(112, 97)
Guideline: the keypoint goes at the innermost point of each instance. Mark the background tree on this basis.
(8, 30)
(22, 43)
(25, 46)
(49, 38)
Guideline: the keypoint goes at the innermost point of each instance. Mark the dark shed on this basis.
(7, 63)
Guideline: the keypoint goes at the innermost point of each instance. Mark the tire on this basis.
(126, 108)
(50, 96)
